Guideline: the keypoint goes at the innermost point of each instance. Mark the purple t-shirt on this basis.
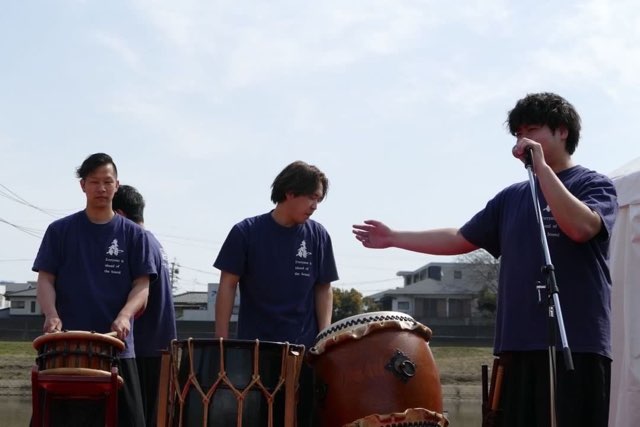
(155, 329)
(278, 268)
(507, 228)
(94, 267)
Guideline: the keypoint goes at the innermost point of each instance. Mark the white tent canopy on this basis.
(625, 303)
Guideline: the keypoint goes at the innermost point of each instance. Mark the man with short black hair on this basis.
(94, 271)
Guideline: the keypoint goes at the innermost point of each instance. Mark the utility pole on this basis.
(174, 274)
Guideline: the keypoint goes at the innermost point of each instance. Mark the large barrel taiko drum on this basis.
(373, 363)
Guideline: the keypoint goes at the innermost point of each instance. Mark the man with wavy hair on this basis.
(579, 208)
(283, 262)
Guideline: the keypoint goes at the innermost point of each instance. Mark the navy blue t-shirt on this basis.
(94, 267)
(278, 268)
(155, 329)
(507, 227)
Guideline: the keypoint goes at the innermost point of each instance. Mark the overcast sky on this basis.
(201, 103)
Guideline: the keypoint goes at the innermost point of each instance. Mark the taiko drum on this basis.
(374, 363)
(222, 383)
(76, 352)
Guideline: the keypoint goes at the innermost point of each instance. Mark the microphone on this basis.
(528, 158)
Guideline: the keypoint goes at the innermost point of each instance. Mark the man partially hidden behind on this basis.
(94, 269)
(156, 327)
(284, 264)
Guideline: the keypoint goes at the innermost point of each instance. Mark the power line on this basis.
(183, 241)
(30, 231)
(171, 238)
(13, 196)
(199, 271)
(188, 239)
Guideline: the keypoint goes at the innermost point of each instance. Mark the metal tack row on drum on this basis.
(414, 417)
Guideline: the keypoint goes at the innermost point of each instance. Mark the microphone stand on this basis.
(554, 310)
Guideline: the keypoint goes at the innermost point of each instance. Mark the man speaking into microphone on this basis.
(579, 208)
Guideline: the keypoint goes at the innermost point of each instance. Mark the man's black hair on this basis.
(130, 202)
(546, 109)
(298, 178)
(93, 162)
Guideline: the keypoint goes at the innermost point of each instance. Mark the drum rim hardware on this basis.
(401, 366)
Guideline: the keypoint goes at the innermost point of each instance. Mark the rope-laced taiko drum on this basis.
(218, 382)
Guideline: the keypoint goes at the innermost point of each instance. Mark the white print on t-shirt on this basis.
(550, 225)
(113, 248)
(112, 265)
(302, 267)
(302, 250)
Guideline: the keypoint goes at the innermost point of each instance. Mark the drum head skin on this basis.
(358, 326)
(78, 336)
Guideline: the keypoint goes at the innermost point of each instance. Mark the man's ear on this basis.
(82, 182)
(120, 212)
(563, 132)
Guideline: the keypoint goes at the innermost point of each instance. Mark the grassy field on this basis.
(17, 348)
(462, 365)
(16, 360)
(459, 367)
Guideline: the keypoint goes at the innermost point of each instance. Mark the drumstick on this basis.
(495, 403)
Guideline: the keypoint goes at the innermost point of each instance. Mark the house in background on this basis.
(4, 302)
(8, 287)
(21, 298)
(192, 306)
(195, 313)
(434, 294)
(200, 306)
(442, 294)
